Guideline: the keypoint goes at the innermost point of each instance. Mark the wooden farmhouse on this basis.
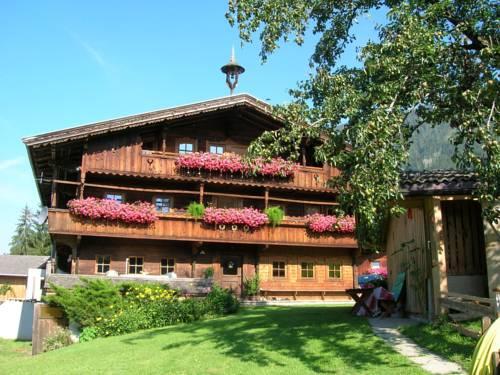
(448, 252)
(135, 158)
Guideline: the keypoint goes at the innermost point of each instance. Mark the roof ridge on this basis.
(154, 115)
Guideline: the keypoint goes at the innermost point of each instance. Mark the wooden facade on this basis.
(134, 159)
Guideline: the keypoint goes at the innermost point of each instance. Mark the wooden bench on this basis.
(296, 292)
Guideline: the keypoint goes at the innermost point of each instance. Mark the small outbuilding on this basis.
(442, 243)
(15, 272)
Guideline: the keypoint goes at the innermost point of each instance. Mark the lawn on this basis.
(443, 340)
(265, 340)
(10, 351)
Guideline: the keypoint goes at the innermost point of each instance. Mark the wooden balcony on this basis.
(132, 161)
(181, 228)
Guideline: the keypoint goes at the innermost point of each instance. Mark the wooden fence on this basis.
(465, 307)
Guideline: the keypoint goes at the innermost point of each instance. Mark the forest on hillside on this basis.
(431, 148)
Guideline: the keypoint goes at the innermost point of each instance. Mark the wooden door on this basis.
(407, 252)
(232, 272)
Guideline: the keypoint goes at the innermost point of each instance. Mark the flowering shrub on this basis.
(251, 217)
(107, 209)
(233, 163)
(319, 223)
(102, 308)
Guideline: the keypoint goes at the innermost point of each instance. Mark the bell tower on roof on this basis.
(232, 70)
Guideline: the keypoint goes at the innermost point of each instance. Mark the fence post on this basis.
(497, 304)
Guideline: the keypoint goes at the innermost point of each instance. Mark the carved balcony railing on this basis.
(180, 227)
(133, 161)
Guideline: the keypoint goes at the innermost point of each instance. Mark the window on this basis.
(279, 269)
(307, 270)
(135, 265)
(102, 263)
(216, 149)
(114, 197)
(162, 204)
(185, 148)
(166, 266)
(335, 271)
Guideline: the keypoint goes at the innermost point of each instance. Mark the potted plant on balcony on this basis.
(251, 288)
(275, 215)
(196, 210)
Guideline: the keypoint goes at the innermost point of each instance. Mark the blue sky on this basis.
(67, 63)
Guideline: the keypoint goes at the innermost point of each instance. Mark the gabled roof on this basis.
(18, 265)
(84, 131)
(438, 182)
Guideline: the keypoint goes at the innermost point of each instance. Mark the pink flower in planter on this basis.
(251, 217)
(110, 210)
(319, 223)
(233, 163)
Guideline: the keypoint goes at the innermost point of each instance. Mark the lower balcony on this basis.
(182, 228)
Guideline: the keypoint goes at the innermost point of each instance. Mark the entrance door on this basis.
(232, 272)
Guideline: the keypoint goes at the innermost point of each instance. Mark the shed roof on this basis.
(18, 265)
(438, 182)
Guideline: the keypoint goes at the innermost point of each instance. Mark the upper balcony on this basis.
(183, 228)
(132, 161)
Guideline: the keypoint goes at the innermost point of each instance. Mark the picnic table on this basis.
(360, 295)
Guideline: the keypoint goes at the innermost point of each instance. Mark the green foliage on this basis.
(87, 303)
(30, 237)
(106, 309)
(58, 340)
(196, 210)
(441, 338)
(222, 301)
(252, 286)
(208, 272)
(275, 215)
(434, 63)
(4, 289)
(88, 334)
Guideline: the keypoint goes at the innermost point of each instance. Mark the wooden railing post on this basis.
(266, 198)
(202, 192)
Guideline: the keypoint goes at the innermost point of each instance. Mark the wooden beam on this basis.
(199, 192)
(202, 191)
(266, 198)
(304, 202)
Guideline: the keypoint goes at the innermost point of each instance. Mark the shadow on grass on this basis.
(319, 337)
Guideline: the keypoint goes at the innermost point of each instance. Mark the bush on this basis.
(88, 334)
(222, 301)
(106, 309)
(58, 340)
(251, 286)
(196, 210)
(275, 215)
(208, 272)
(88, 302)
(4, 289)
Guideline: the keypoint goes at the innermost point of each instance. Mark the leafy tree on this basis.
(434, 60)
(30, 237)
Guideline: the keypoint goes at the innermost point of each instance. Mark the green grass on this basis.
(10, 351)
(264, 340)
(443, 340)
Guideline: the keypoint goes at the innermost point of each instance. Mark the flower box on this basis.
(142, 213)
(318, 223)
(250, 218)
(233, 164)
